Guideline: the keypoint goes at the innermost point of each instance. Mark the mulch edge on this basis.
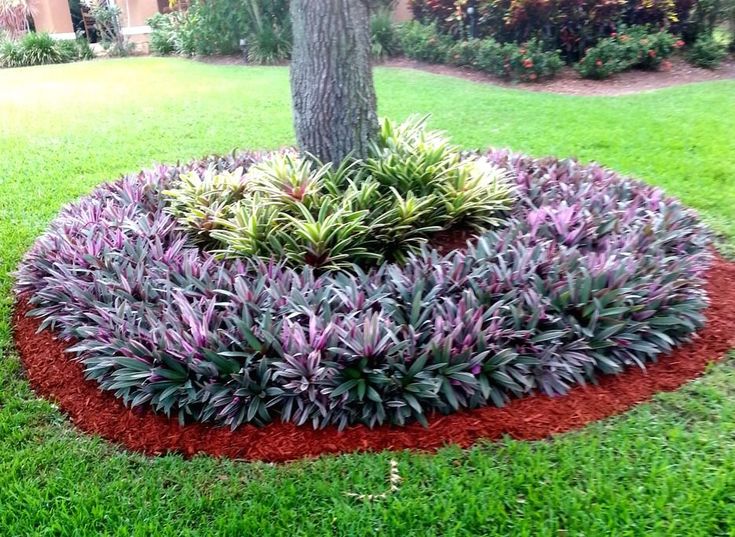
(53, 375)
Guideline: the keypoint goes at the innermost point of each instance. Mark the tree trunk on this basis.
(331, 78)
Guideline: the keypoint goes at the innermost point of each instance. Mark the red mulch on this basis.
(569, 82)
(54, 375)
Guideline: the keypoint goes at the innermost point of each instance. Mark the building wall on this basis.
(52, 16)
(136, 12)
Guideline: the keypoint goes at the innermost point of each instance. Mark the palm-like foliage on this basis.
(14, 17)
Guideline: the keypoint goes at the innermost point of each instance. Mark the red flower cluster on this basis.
(528, 63)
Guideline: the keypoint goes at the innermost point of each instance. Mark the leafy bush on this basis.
(414, 184)
(163, 33)
(424, 42)
(593, 274)
(384, 35)
(631, 48)
(40, 49)
(706, 52)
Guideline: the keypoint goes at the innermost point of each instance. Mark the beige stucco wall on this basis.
(403, 11)
(136, 12)
(52, 16)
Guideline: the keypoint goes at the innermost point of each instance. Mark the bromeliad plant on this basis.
(414, 184)
(592, 273)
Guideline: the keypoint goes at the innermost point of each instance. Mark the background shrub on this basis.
(73, 50)
(216, 27)
(11, 54)
(384, 34)
(465, 53)
(654, 48)
(424, 42)
(706, 52)
(527, 62)
(605, 59)
(41, 49)
(630, 48)
(571, 26)
(164, 29)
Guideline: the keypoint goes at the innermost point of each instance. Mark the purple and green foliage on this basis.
(592, 273)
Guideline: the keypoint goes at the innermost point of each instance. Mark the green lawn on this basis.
(666, 468)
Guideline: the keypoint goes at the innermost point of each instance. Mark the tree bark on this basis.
(331, 78)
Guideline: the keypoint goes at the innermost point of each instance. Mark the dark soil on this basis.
(54, 375)
(567, 81)
(452, 239)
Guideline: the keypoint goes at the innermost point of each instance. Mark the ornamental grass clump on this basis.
(286, 207)
(591, 273)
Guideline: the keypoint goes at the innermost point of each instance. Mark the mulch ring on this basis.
(55, 376)
(569, 82)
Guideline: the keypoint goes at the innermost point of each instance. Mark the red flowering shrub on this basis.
(569, 25)
(527, 63)
(630, 48)
(465, 53)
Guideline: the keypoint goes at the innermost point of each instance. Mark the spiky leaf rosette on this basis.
(414, 184)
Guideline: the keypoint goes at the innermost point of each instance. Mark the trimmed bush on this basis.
(706, 52)
(466, 53)
(530, 62)
(163, 33)
(631, 48)
(527, 62)
(654, 48)
(424, 42)
(593, 273)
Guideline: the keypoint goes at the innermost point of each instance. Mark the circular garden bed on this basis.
(310, 310)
